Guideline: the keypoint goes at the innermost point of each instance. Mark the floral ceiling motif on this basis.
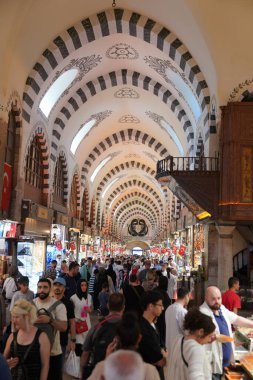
(99, 117)
(122, 51)
(129, 119)
(127, 93)
(84, 65)
(241, 90)
(161, 66)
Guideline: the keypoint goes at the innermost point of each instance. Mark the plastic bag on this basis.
(72, 365)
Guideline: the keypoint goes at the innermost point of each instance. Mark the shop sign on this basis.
(64, 220)
(42, 213)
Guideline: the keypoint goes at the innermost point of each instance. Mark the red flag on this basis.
(72, 246)
(6, 193)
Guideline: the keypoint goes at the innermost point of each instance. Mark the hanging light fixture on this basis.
(114, 3)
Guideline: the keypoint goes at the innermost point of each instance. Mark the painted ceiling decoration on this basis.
(122, 51)
(138, 227)
(124, 92)
(129, 119)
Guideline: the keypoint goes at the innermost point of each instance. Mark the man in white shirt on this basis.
(174, 317)
(221, 354)
(58, 321)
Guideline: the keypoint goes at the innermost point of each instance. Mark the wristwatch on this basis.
(73, 340)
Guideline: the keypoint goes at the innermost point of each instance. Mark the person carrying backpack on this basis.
(101, 335)
(51, 318)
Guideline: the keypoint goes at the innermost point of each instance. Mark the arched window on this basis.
(73, 199)
(59, 182)
(34, 166)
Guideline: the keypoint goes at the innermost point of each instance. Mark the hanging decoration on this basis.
(138, 227)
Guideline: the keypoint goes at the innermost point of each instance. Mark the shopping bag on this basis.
(72, 365)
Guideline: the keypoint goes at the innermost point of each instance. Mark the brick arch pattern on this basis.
(63, 159)
(139, 195)
(107, 23)
(116, 78)
(118, 169)
(116, 138)
(76, 178)
(199, 147)
(136, 203)
(133, 211)
(43, 143)
(85, 205)
(133, 183)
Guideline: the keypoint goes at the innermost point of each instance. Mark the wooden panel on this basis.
(236, 185)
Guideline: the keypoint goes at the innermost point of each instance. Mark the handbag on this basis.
(81, 327)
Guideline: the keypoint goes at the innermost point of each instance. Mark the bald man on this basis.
(221, 354)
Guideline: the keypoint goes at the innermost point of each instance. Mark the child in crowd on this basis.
(103, 298)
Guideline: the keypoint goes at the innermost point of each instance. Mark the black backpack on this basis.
(47, 327)
(103, 335)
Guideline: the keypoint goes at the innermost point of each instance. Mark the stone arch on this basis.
(64, 162)
(113, 79)
(134, 195)
(119, 168)
(76, 178)
(121, 136)
(133, 183)
(40, 133)
(135, 203)
(107, 23)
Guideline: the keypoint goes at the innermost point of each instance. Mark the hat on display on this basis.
(60, 280)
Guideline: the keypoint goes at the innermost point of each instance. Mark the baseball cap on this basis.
(60, 280)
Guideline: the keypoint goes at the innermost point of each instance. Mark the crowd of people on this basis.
(146, 329)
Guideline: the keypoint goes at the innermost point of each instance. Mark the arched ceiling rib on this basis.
(122, 102)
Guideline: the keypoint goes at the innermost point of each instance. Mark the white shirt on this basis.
(10, 287)
(60, 314)
(194, 355)
(215, 349)
(78, 307)
(174, 319)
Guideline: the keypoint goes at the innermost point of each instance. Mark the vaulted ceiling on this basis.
(129, 86)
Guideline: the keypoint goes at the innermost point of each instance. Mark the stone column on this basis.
(225, 255)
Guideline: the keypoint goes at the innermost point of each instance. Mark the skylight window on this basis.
(174, 137)
(109, 186)
(187, 93)
(85, 128)
(99, 167)
(56, 90)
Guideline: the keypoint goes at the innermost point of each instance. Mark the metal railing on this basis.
(173, 164)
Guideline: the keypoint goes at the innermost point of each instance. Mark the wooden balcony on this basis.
(194, 181)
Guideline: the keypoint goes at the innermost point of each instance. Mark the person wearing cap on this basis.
(59, 287)
(142, 274)
(23, 293)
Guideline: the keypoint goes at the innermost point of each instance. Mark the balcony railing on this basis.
(171, 164)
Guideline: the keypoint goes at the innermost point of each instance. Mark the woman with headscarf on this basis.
(83, 306)
(28, 348)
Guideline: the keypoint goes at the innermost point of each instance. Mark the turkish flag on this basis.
(6, 193)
